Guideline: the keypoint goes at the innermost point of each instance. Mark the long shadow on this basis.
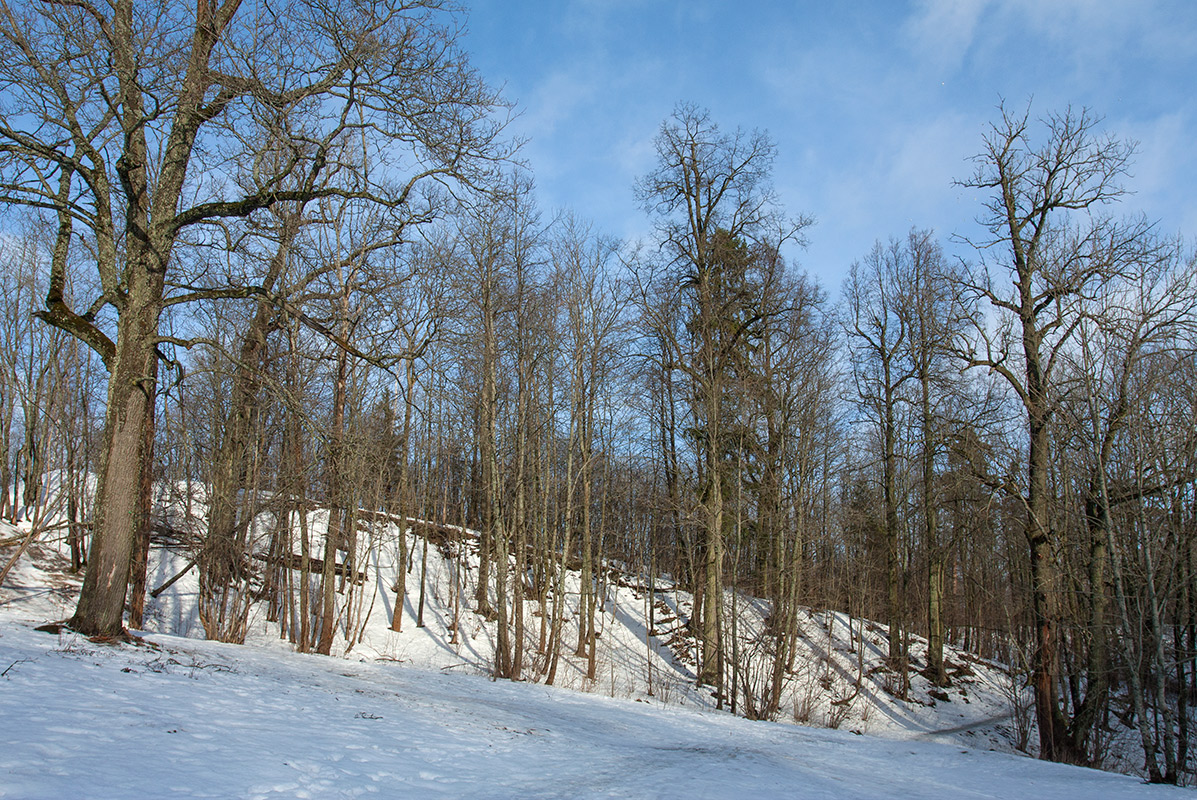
(473, 657)
(636, 625)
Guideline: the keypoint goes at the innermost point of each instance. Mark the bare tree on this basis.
(935, 321)
(1127, 344)
(794, 382)
(1053, 252)
(593, 300)
(141, 115)
(878, 337)
(710, 198)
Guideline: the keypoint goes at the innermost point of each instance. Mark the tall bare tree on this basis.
(139, 127)
(1053, 252)
(1129, 340)
(710, 195)
(878, 336)
(935, 319)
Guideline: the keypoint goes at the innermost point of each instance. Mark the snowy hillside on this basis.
(185, 718)
(411, 713)
(839, 679)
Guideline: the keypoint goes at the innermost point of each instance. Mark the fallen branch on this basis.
(4, 674)
(154, 594)
(33, 533)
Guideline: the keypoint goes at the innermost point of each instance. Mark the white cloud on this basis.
(927, 157)
(1096, 39)
(1164, 152)
(557, 98)
(941, 32)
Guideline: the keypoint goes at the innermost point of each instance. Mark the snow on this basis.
(187, 718)
(412, 714)
(835, 653)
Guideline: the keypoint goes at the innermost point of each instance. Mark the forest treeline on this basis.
(255, 268)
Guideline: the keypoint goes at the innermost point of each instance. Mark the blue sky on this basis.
(875, 106)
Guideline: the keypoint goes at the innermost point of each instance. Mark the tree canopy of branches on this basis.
(381, 353)
(1054, 253)
(143, 128)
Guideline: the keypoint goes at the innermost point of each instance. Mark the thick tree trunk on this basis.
(117, 504)
(1096, 668)
(1054, 742)
(141, 549)
(713, 577)
(148, 241)
(936, 672)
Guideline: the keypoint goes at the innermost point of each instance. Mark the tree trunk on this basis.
(117, 504)
(141, 550)
(336, 508)
(713, 576)
(404, 499)
(223, 561)
(893, 561)
(935, 555)
(1054, 743)
(1097, 520)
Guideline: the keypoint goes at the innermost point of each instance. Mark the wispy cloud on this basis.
(874, 106)
(940, 32)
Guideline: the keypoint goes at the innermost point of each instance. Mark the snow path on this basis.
(188, 718)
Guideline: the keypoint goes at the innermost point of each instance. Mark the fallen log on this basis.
(315, 565)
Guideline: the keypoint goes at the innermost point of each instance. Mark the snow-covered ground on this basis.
(177, 717)
(412, 714)
(840, 678)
